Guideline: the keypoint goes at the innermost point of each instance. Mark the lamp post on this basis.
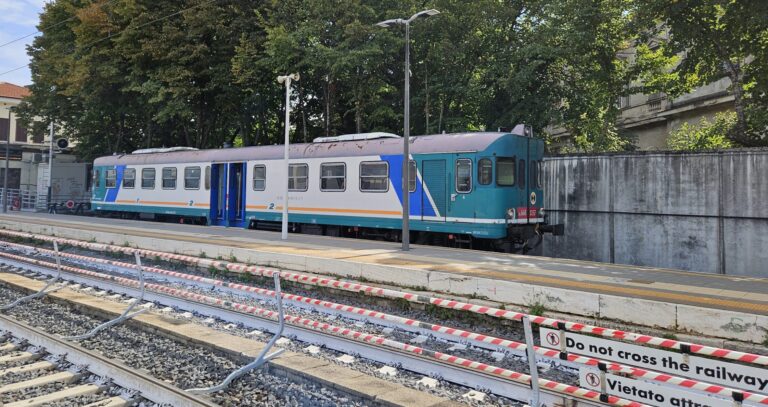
(287, 80)
(407, 117)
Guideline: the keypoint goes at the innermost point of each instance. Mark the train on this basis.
(479, 190)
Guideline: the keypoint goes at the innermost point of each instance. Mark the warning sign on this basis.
(648, 393)
(707, 370)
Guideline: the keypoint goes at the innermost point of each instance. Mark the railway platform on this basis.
(716, 305)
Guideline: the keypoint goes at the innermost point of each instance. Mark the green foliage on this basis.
(120, 75)
(704, 41)
(538, 309)
(704, 136)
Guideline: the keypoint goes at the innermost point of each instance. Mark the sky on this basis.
(17, 19)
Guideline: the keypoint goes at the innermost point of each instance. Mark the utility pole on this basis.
(7, 157)
(50, 167)
(287, 80)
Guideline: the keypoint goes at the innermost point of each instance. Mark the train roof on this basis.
(439, 143)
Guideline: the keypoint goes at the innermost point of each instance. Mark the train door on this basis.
(461, 206)
(236, 203)
(434, 190)
(219, 194)
(525, 179)
(228, 194)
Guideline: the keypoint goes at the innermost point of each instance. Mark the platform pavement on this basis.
(725, 306)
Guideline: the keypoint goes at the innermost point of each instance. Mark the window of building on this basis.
(463, 175)
(207, 177)
(259, 177)
(192, 178)
(412, 176)
(374, 176)
(521, 174)
(148, 178)
(298, 177)
(169, 178)
(96, 179)
(505, 171)
(333, 177)
(110, 178)
(484, 171)
(129, 178)
(21, 133)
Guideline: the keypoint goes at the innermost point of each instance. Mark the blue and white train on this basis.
(482, 190)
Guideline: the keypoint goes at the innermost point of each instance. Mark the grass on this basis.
(538, 309)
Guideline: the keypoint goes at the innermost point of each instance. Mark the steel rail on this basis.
(552, 393)
(153, 389)
(613, 334)
(573, 361)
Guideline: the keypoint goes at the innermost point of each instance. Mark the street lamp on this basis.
(287, 80)
(407, 116)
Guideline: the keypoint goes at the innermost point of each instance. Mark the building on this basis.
(28, 159)
(649, 119)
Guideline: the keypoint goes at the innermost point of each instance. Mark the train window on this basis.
(539, 174)
(259, 177)
(298, 177)
(333, 177)
(169, 178)
(148, 178)
(412, 176)
(521, 171)
(110, 178)
(207, 177)
(129, 178)
(484, 171)
(96, 179)
(374, 176)
(192, 178)
(463, 175)
(505, 171)
(536, 174)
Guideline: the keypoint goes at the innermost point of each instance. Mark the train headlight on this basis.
(541, 212)
(511, 214)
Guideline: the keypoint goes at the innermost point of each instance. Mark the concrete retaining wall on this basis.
(704, 212)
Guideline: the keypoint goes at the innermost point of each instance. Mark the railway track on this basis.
(41, 369)
(464, 371)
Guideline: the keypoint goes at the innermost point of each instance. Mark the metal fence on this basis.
(30, 201)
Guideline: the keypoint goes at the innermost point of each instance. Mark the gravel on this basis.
(183, 365)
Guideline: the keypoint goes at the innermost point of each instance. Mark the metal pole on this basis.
(7, 157)
(284, 234)
(534, 402)
(50, 166)
(406, 141)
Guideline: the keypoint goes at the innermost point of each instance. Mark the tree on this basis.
(711, 39)
(704, 136)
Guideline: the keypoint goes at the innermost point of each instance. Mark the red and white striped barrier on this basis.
(459, 333)
(413, 297)
(345, 332)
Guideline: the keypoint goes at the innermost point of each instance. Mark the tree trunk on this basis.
(426, 105)
(303, 112)
(440, 118)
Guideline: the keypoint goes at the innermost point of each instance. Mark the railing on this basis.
(29, 201)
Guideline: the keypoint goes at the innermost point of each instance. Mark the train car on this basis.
(480, 190)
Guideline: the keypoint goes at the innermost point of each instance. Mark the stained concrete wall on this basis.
(704, 212)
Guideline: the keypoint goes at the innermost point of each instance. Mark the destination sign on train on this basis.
(707, 370)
